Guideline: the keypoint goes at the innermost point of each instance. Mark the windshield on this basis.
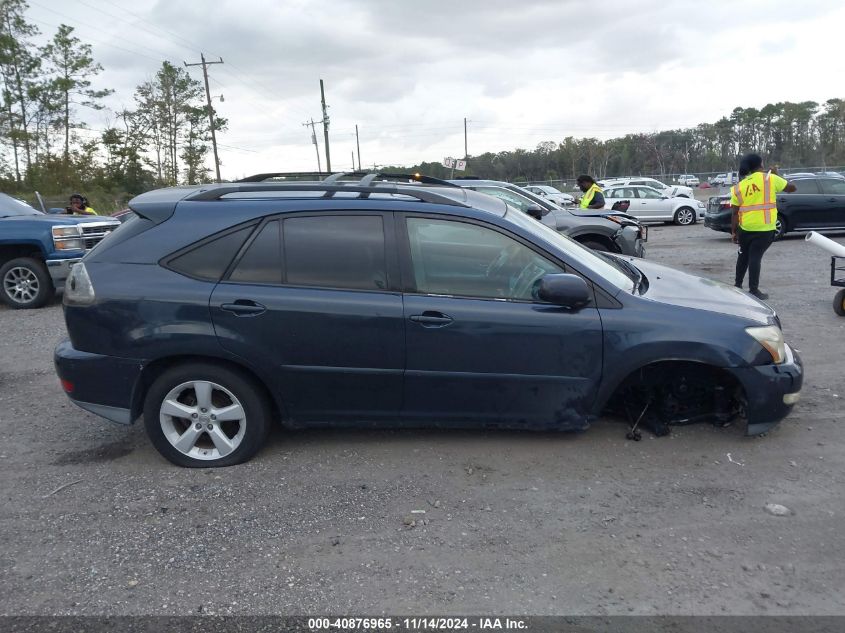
(10, 207)
(614, 272)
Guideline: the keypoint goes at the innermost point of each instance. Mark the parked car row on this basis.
(818, 204)
(233, 307)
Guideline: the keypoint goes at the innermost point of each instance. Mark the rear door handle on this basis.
(244, 307)
(430, 318)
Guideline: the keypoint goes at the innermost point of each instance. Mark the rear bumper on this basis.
(770, 391)
(103, 385)
(717, 222)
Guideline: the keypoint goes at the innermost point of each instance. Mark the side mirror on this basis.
(536, 211)
(567, 291)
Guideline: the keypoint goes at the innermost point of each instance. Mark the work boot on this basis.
(757, 293)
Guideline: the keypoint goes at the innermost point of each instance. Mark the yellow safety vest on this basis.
(755, 198)
(588, 196)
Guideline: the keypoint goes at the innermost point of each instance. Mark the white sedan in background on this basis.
(551, 194)
(648, 204)
(670, 191)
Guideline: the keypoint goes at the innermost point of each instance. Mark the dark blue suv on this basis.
(216, 311)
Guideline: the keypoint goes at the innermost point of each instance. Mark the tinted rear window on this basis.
(806, 186)
(262, 261)
(335, 252)
(833, 186)
(210, 259)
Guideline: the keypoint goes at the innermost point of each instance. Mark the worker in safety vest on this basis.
(593, 197)
(754, 218)
(79, 206)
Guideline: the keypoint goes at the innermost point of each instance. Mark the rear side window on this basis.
(806, 186)
(340, 251)
(833, 187)
(210, 259)
(262, 261)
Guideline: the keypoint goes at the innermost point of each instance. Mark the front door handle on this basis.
(430, 318)
(244, 307)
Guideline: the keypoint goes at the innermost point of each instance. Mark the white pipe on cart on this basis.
(834, 248)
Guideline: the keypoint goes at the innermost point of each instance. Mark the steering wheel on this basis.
(498, 264)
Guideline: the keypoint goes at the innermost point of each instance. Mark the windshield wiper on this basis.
(627, 268)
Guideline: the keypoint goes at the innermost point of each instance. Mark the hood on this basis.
(60, 220)
(671, 286)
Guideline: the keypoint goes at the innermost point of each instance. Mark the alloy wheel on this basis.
(21, 284)
(202, 420)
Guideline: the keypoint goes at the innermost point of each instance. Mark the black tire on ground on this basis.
(257, 412)
(781, 228)
(839, 303)
(596, 246)
(682, 214)
(25, 283)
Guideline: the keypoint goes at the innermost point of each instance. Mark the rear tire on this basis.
(839, 303)
(685, 216)
(25, 283)
(780, 228)
(202, 415)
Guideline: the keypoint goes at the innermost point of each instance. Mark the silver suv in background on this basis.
(607, 231)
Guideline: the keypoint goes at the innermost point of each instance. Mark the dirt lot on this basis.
(514, 522)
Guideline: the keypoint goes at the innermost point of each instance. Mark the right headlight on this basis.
(771, 338)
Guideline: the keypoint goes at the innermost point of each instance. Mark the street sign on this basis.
(449, 162)
(460, 165)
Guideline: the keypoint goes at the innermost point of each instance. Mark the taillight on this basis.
(725, 204)
(67, 385)
(78, 288)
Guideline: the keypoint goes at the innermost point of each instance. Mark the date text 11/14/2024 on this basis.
(415, 624)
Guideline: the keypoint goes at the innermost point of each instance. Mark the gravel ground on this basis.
(513, 522)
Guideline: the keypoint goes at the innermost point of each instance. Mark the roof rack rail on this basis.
(420, 193)
(293, 175)
(366, 177)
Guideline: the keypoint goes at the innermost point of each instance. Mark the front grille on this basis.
(94, 232)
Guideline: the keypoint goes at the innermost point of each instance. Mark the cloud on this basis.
(409, 72)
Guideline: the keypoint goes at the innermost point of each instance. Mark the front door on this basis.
(310, 303)
(481, 350)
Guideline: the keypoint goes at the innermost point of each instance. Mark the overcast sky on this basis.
(407, 73)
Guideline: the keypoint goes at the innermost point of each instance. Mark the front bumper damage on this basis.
(771, 391)
(630, 240)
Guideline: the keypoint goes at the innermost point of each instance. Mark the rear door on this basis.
(833, 201)
(480, 349)
(804, 208)
(311, 301)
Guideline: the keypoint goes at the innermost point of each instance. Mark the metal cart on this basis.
(837, 278)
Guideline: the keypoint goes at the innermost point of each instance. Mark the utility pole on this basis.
(353, 161)
(314, 140)
(358, 145)
(466, 153)
(325, 127)
(205, 65)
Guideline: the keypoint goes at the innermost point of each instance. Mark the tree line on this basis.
(45, 142)
(789, 134)
(164, 138)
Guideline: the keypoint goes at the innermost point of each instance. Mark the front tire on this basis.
(595, 246)
(25, 283)
(202, 415)
(685, 216)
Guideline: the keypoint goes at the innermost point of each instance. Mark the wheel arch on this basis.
(153, 370)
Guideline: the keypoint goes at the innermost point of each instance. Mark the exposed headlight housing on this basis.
(68, 238)
(771, 338)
